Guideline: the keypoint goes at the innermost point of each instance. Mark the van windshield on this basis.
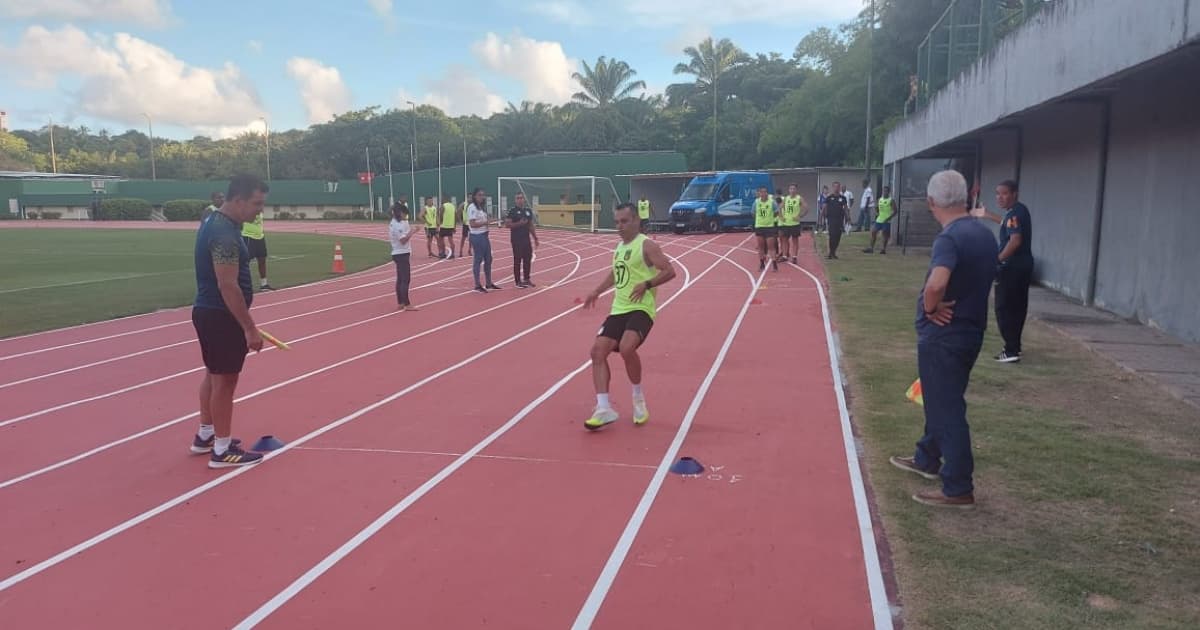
(698, 192)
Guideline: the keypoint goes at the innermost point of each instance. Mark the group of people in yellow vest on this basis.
(441, 224)
(777, 226)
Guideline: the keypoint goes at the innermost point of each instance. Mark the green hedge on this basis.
(184, 209)
(124, 210)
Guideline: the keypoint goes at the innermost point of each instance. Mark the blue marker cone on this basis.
(687, 466)
(267, 443)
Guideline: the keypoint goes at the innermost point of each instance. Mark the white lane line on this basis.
(507, 458)
(185, 342)
(375, 526)
(880, 608)
(129, 438)
(380, 270)
(600, 589)
(268, 348)
(144, 516)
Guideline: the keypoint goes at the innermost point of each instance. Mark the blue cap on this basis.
(687, 466)
(267, 443)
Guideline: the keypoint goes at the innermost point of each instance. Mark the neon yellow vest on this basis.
(644, 209)
(448, 214)
(431, 217)
(764, 213)
(790, 215)
(886, 210)
(253, 229)
(629, 269)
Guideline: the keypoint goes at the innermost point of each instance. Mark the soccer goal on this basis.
(583, 203)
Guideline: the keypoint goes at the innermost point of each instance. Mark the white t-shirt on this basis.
(868, 198)
(396, 231)
(477, 214)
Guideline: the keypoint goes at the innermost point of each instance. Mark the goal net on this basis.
(583, 203)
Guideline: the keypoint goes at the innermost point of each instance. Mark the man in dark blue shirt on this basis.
(1015, 272)
(221, 316)
(521, 230)
(951, 319)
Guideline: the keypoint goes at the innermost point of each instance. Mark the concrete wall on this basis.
(1069, 45)
(1060, 179)
(1149, 265)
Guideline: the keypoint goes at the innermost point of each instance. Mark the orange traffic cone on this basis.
(339, 265)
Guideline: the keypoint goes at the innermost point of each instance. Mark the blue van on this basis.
(716, 201)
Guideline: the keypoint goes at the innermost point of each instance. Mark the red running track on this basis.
(437, 473)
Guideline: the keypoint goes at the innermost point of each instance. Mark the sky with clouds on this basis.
(219, 67)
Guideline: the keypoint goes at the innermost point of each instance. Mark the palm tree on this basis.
(708, 62)
(606, 83)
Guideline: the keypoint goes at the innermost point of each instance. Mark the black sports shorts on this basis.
(615, 326)
(222, 342)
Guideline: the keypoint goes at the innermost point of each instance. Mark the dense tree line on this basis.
(768, 110)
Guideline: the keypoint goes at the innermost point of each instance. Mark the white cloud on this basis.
(383, 8)
(656, 13)
(122, 77)
(458, 92)
(689, 35)
(321, 88)
(541, 67)
(564, 11)
(255, 46)
(146, 12)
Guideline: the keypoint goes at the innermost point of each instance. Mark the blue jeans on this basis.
(482, 247)
(945, 366)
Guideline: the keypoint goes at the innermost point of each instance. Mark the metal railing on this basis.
(966, 31)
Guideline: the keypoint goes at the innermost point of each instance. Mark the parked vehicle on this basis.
(718, 201)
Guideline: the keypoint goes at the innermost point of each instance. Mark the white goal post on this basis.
(582, 202)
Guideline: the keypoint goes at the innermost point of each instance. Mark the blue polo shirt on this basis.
(219, 240)
(968, 249)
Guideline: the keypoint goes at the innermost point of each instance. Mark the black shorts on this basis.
(788, 231)
(615, 326)
(222, 341)
(770, 232)
(257, 247)
(431, 232)
(466, 230)
(446, 232)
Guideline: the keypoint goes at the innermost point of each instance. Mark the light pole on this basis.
(53, 155)
(153, 168)
(412, 155)
(267, 132)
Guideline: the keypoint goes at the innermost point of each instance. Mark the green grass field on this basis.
(60, 277)
(1086, 476)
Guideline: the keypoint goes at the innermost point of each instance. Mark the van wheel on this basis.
(678, 230)
(713, 225)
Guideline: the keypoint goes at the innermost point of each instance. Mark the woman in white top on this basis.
(477, 217)
(399, 233)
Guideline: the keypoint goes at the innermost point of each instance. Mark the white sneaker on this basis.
(601, 417)
(640, 414)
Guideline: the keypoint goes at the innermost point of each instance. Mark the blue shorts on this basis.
(883, 227)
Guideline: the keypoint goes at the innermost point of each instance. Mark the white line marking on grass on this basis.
(375, 526)
(604, 582)
(880, 608)
(93, 281)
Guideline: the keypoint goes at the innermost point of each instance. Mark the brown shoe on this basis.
(910, 464)
(935, 498)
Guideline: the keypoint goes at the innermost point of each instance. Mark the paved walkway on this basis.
(1157, 356)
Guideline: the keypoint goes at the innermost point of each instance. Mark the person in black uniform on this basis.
(521, 230)
(1015, 268)
(835, 217)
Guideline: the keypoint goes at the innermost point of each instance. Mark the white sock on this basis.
(637, 391)
(602, 401)
(222, 444)
(263, 281)
(206, 431)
